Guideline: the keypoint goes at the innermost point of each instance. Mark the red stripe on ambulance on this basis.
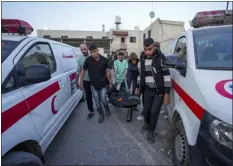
(72, 76)
(18, 111)
(192, 104)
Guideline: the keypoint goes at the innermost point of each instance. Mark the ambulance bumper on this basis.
(213, 151)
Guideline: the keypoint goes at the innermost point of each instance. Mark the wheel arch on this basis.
(30, 146)
(178, 115)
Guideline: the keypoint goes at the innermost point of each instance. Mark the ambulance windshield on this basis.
(7, 47)
(213, 48)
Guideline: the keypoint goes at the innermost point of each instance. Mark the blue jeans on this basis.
(100, 96)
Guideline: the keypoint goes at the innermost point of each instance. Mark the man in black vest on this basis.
(154, 82)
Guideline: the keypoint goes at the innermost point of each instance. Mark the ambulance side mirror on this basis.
(36, 74)
(170, 61)
(180, 65)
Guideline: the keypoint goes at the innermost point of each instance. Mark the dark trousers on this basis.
(87, 87)
(152, 106)
(142, 113)
(133, 83)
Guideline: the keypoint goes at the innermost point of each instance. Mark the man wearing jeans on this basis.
(97, 67)
(86, 82)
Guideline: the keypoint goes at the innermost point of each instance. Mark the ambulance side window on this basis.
(40, 54)
(180, 50)
(9, 84)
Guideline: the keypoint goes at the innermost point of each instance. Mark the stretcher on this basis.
(123, 99)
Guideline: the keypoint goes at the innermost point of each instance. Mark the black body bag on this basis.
(122, 98)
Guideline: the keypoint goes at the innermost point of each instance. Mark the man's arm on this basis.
(166, 76)
(81, 78)
(126, 68)
(115, 69)
(108, 75)
(167, 81)
(138, 90)
(78, 70)
(85, 67)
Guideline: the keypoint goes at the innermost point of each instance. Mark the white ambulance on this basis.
(200, 106)
(38, 92)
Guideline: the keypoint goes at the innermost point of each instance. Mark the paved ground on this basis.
(114, 142)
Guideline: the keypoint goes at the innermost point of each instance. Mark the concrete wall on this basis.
(164, 31)
(131, 47)
(72, 34)
(134, 47)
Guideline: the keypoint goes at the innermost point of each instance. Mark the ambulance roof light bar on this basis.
(15, 26)
(212, 18)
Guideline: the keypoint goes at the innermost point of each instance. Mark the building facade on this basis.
(116, 40)
(164, 31)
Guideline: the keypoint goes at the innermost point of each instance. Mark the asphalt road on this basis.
(114, 142)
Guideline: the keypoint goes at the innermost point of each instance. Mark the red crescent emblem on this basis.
(221, 90)
(52, 105)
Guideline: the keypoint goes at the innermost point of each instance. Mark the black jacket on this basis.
(161, 77)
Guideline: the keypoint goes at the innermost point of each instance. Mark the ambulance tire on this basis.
(21, 159)
(179, 145)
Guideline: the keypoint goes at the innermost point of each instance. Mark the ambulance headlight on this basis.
(221, 132)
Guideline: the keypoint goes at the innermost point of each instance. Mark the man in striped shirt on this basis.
(154, 83)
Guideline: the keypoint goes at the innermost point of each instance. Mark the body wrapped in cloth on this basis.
(123, 99)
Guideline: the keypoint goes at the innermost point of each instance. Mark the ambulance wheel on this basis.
(180, 148)
(21, 159)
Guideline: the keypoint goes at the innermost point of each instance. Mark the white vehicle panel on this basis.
(69, 105)
(22, 129)
(66, 55)
(51, 94)
(216, 104)
(48, 104)
(190, 120)
(190, 50)
(185, 95)
(6, 36)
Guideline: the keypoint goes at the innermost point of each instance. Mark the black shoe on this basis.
(151, 137)
(144, 127)
(90, 115)
(101, 119)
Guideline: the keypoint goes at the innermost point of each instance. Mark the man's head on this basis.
(84, 49)
(94, 51)
(149, 47)
(157, 45)
(121, 56)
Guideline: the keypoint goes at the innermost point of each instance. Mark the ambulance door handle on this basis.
(61, 83)
(179, 99)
